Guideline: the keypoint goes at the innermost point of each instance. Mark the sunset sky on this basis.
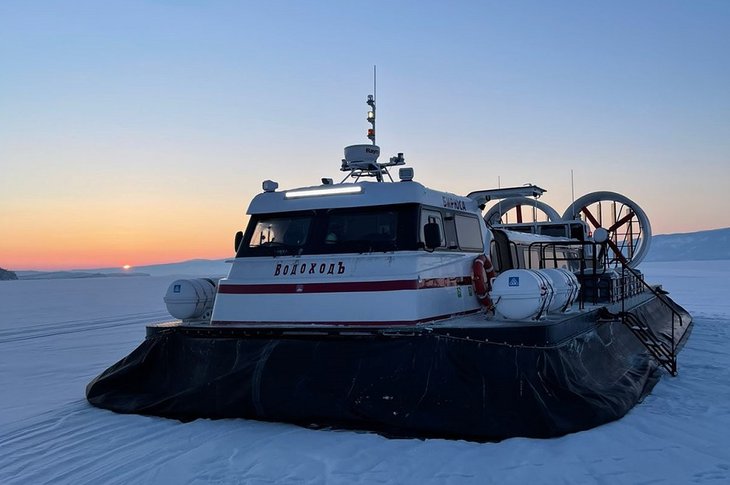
(136, 132)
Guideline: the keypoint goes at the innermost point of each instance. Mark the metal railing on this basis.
(580, 257)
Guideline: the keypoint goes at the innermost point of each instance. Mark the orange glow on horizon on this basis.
(24, 262)
(115, 233)
(112, 230)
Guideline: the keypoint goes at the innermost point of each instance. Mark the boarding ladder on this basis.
(665, 353)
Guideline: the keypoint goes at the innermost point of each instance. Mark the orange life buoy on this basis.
(483, 273)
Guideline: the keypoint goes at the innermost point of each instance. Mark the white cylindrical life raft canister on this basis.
(190, 299)
(565, 288)
(520, 294)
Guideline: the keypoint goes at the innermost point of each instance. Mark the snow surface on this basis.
(56, 335)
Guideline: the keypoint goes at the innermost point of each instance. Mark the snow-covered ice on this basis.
(56, 335)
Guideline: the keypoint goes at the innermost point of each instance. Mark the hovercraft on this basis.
(384, 305)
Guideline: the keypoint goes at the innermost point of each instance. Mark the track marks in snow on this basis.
(20, 333)
(83, 444)
(80, 443)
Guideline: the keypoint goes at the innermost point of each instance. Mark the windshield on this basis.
(366, 231)
(289, 232)
(351, 230)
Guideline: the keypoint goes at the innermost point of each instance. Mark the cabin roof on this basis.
(361, 194)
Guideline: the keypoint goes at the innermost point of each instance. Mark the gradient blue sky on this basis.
(137, 131)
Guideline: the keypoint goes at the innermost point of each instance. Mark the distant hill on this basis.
(54, 275)
(194, 267)
(7, 275)
(693, 246)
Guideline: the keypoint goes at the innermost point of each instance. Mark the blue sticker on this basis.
(514, 281)
(176, 289)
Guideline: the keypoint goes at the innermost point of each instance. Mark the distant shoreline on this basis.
(56, 275)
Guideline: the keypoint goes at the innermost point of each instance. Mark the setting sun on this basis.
(126, 266)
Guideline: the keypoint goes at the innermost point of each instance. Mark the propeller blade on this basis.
(590, 217)
(621, 221)
(617, 251)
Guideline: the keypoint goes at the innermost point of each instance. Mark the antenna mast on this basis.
(572, 192)
(371, 103)
(362, 160)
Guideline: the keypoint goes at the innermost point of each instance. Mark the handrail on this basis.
(625, 268)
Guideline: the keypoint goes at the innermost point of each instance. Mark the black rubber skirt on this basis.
(424, 384)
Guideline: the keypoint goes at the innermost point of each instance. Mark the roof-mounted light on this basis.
(405, 174)
(269, 186)
(350, 189)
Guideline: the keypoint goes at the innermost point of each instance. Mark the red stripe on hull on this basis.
(398, 323)
(344, 287)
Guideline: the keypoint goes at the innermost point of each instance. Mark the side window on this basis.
(450, 230)
(469, 233)
(431, 216)
(503, 252)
